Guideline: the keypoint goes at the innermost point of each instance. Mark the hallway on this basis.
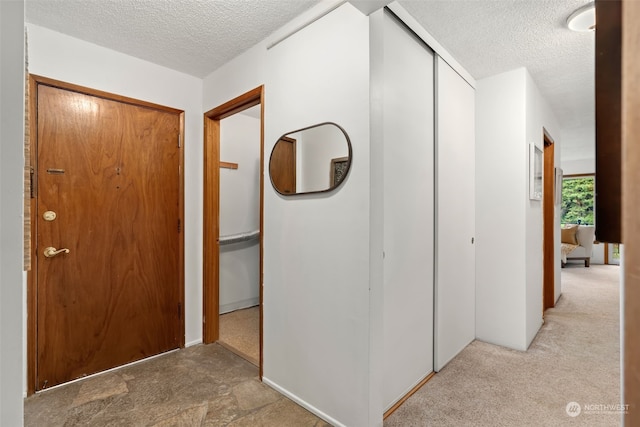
(574, 358)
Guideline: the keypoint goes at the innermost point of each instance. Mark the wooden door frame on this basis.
(32, 274)
(630, 204)
(211, 225)
(548, 223)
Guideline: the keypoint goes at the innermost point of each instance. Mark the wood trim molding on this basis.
(211, 226)
(102, 94)
(181, 297)
(211, 230)
(579, 175)
(407, 396)
(548, 223)
(548, 140)
(32, 274)
(630, 206)
(262, 104)
(236, 105)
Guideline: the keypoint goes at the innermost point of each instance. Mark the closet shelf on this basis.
(228, 165)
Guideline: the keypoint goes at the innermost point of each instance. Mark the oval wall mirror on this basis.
(315, 159)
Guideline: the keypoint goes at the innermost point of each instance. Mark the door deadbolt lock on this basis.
(49, 215)
(50, 251)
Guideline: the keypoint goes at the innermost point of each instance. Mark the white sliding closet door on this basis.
(408, 210)
(455, 260)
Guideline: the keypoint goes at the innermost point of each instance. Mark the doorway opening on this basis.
(612, 254)
(548, 215)
(230, 231)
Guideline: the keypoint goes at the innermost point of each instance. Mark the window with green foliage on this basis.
(616, 251)
(577, 200)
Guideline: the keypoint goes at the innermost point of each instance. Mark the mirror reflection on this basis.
(310, 160)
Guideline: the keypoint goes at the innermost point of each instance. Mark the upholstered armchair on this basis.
(577, 243)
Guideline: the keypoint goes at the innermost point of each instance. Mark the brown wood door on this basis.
(282, 165)
(109, 170)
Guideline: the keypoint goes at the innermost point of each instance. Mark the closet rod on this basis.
(240, 237)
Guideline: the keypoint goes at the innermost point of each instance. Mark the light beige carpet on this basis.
(574, 358)
(240, 333)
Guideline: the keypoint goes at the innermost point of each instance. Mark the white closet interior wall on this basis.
(240, 210)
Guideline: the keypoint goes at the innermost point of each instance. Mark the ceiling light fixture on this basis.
(583, 19)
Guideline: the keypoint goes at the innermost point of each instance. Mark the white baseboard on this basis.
(237, 305)
(302, 403)
(194, 342)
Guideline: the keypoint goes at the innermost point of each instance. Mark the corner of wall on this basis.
(539, 116)
(376, 225)
(501, 188)
(241, 74)
(368, 7)
(12, 84)
(320, 298)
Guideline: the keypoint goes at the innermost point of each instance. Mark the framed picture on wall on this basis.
(535, 172)
(338, 168)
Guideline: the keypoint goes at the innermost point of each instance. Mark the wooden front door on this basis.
(108, 201)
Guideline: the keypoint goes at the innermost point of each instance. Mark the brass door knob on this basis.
(51, 251)
(49, 216)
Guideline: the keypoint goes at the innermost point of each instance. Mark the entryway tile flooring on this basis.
(203, 385)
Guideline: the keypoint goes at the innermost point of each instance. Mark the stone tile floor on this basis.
(203, 385)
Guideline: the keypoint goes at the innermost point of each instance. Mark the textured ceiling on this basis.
(193, 36)
(486, 36)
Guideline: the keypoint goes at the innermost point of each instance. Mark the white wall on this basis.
(11, 226)
(597, 254)
(501, 201)
(315, 148)
(316, 248)
(574, 167)
(539, 116)
(65, 58)
(510, 114)
(240, 211)
(579, 144)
